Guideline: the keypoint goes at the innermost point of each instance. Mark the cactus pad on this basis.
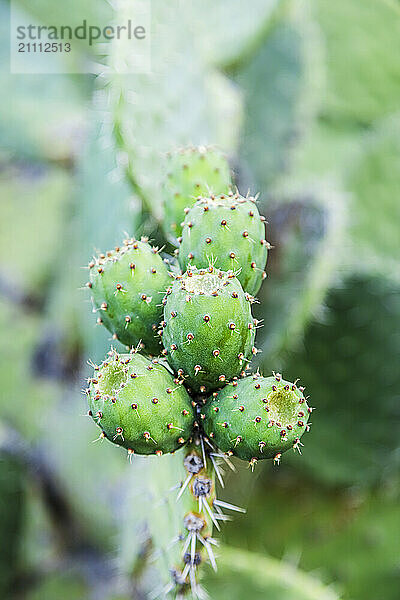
(127, 286)
(227, 230)
(257, 417)
(138, 405)
(192, 172)
(208, 329)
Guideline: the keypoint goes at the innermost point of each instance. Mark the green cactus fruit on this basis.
(257, 417)
(192, 172)
(138, 405)
(127, 286)
(208, 330)
(228, 231)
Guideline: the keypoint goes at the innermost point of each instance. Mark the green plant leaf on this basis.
(231, 32)
(41, 116)
(374, 183)
(247, 574)
(42, 195)
(280, 86)
(363, 76)
(345, 536)
(307, 230)
(157, 520)
(348, 367)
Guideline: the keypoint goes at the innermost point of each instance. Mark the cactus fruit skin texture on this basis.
(127, 286)
(257, 417)
(208, 329)
(138, 404)
(229, 230)
(192, 172)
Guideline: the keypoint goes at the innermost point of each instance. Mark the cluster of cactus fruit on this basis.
(184, 381)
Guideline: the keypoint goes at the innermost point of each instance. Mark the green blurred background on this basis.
(305, 99)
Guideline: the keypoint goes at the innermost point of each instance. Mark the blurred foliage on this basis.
(11, 519)
(42, 115)
(347, 364)
(307, 229)
(92, 10)
(44, 121)
(23, 396)
(304, 97)
(63, 586)
(182, 100)
(279, 84)
(228, 47)
(347, 536)
(375, 186)
(246, 574)
(362, 42)
(361, 82)
(41, 194)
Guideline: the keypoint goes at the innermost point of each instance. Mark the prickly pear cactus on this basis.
(138, 405)
(229, 231)
(257, 417)
(208, 329)
(197, 395)
(192, 172)
(127, 284)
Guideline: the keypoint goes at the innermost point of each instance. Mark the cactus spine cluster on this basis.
(198, 392)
